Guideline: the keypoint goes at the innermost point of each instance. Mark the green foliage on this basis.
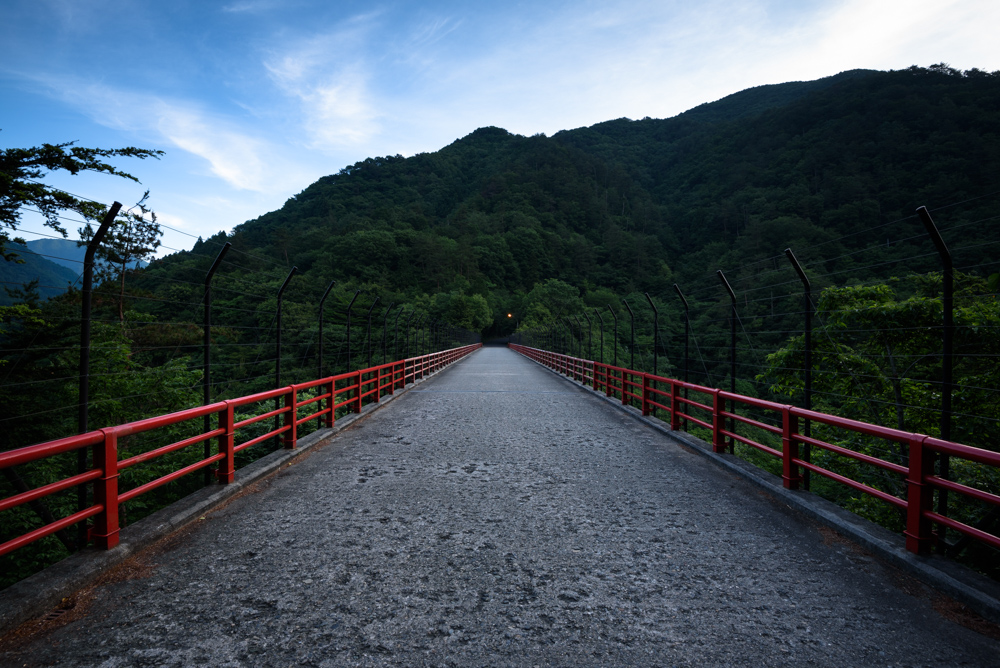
(877, 358)
(21, 170)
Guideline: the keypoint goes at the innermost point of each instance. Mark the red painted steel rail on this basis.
(649, 392)
(352, 390)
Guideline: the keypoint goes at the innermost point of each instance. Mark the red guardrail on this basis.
(351, 389)
(648, 392)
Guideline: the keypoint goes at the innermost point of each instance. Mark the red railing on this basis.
(352, 389)
(648, 392)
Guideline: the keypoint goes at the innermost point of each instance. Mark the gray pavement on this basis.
(497, 515)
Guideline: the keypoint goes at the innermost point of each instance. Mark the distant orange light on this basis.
(509, 315)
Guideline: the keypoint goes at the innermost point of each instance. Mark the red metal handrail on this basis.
(918, 474)
(343, 390)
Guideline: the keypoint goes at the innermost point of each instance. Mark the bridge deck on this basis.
(497, 515)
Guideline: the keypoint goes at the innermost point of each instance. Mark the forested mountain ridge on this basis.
(635, 205)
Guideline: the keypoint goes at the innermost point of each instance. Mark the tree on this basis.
(21, 170)
(133, 238)
(877, 356)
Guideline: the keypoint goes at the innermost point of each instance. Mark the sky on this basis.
(254, 100)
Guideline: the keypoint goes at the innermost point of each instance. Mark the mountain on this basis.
(636, 205)
(53, 279)
(68, 253)
(55, 263)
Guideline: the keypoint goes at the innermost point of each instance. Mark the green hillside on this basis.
(637, 205)
(547, 236)
(53, 279)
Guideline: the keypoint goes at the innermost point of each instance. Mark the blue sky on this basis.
(253, 100)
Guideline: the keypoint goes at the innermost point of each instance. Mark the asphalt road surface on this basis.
(497, 515)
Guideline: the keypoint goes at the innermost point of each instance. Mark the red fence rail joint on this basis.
(917, 473)
(362, 384)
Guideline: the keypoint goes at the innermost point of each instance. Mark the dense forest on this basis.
(554, 239)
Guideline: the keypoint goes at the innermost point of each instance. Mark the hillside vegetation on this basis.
(498, 232)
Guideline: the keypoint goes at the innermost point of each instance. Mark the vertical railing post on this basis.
(919, 496)
(349, 306)
(291, 417)
(718, 440)
(732, 353)
(106, 528)
(321, 302)
(357, 393)
(329, 418)
(675, 406)
(806, 429)
(645, 394)
(947, 361)
(226, 443)
(206, 378)
(789, 448)
(687, 337)
(83, 397)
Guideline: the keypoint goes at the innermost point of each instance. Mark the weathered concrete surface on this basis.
(498, 516)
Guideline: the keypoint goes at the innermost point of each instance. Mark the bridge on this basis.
(496, 513)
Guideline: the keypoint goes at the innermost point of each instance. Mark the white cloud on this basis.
(234, 157)
(253, 6)
(243, 159)
(170, 220)
(328, 76)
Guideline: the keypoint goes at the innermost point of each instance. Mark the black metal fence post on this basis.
(368, 339)
(580, 324)
(687, 337)
(385, 322)
(206, 345)
(408, 319)
(631, 317)
(395, 337)
(601, 318)
(656, 328)
(590, 336)
(615, 344)
(277, 348)
(947, 358)
(807, 288)
(349, 306)
(321, 302)
(83, 397)
(732, 354)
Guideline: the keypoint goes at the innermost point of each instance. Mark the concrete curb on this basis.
(975, 591)
(38, 594)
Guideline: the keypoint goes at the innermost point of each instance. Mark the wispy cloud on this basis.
(328, 76)
(253, 6)
(241, 158)
(234, 157)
